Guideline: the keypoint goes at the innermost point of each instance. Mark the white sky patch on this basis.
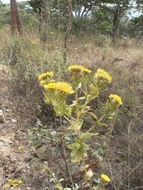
(131, 12)
(8, 1)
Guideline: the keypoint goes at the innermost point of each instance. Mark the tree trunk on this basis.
(69, 27)
(44, 22)
(19, 25)
(117, 15)
(116, 23)
(15, 18)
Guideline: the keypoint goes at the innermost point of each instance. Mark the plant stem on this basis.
(113, 124)
(64, 155)
(97, 122)
(63, 152)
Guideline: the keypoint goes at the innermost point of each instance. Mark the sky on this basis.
(132, 11)
(7, 1)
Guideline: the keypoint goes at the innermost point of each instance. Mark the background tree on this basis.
(69, 27)
(44, 21)
(103, 17)
(4, 14)
(116, 9)
(37, 6)
(15, 18)
(139, 4)
(41, 7)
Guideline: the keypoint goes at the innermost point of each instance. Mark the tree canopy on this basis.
(112, 17)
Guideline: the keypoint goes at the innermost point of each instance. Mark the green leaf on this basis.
(74, 103)
(87, 136)
(61, 108)
(74, 146)
(76, 124)
(78, 154)
(93, 115)
(47, 99)
(79, 85)
(101, 124)
(82, 98)
(94, 91)
(78, 150)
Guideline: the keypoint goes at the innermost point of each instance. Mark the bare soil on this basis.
(13, 162)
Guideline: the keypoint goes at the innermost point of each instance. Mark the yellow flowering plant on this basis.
(104, 179)
(85, 87)
(79, 74)
(45, 78)
(13, 183)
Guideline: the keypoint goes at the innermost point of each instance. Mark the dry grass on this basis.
(124, 161)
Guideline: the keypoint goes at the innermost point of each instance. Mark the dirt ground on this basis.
(14, 149)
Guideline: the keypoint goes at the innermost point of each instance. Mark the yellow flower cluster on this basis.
(115, 99)
(18, 181)
(13, 183)
(79, 68)
(105, 178)
(46, 75)
(102, 74)
(63, 87)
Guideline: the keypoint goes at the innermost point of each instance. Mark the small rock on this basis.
(5, 144)
(1, 117)
(42, 152)
(7, 110)
(14, 120)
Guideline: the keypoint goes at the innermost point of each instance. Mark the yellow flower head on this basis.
(51, 86)
(65, 87)
(105, 178)
(115, 99)
(14, 185)
(60, 86)
(20, 148)
(78, 72)
(45, 75)
(7, 186)
(102, 74)
(33, 42)
(86, 71)
(43, 170)
(58, 186)
(76, 68)
(42, 82)
(10, 180)
(19, 181)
